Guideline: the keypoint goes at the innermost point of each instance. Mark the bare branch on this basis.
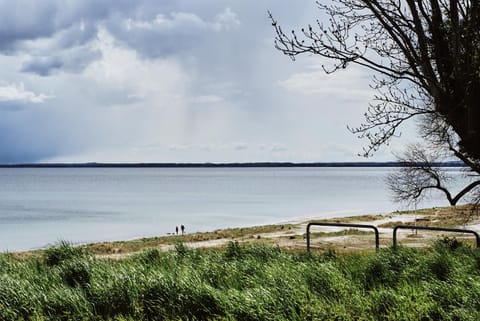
(420, 174)
(427, 54)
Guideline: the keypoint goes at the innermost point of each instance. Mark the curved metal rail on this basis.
(442, 229)
(377, 237)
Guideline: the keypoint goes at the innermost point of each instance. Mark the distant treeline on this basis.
(231, 165)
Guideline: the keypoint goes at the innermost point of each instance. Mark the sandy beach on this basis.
(291, 235)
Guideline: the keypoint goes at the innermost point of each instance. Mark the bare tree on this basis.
(425, 57)
(421, 172)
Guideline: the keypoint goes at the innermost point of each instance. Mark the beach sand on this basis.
(291, 235)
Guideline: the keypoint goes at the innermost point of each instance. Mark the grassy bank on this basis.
(240, 234)
(243, 282)
(291, 236)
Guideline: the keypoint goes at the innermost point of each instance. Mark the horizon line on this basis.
(221, 164)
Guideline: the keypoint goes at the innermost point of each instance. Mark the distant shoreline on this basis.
(220, 165)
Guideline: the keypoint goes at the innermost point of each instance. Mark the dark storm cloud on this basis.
(52, 31)
(73, 60)
(26, 20)
(57, 35)
(20, 141)
(119, 74)
(42, 66)
(159, 34)
(152, 40)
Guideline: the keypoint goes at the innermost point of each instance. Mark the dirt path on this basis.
(292, 236)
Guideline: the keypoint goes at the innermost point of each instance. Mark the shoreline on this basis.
(291, 235)
(295, 220)
(104, 206)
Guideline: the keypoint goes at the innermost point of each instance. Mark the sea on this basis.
(42, 206)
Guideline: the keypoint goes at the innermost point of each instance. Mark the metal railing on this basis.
(442, 229)
(377, 237)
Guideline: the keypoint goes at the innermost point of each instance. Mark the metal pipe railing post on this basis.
(441, 229)
(375, 229)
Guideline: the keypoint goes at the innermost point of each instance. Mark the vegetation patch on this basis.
(244, 282)
(228, 234)
(350, 231)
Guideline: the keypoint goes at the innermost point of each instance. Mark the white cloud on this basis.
(278, 148)
(173, 81)
(351, 84)
(123, 69)
(206, 99)
(226, 20)
(185, 22)
(18, 93)
(173, 33)
(166, 23)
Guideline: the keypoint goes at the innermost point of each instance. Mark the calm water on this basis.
(39, 206)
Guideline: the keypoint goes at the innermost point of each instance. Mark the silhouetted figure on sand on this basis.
(183, 229)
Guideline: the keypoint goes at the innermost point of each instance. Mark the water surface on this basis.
(39, 206)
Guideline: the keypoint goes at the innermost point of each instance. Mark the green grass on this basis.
(345, 232)
(244, 282)
(230, 233)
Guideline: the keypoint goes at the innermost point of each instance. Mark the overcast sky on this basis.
(169, 81)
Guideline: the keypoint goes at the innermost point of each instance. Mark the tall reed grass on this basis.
(243, 282)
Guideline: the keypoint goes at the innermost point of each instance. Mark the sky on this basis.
(170, 81)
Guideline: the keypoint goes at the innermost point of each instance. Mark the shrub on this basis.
(243, 282)
(388, 267)
(18, 299)
(440, 265)
(378, 271)
(449, 243)
(117, 295)
(382, 302)
(150, 256)
(255, 304)
(186, 296)
(330, 254)
(182, 251)
(61, 252)
(66, 304)
(261, 252)
(326, 280)
(76, 272)
(233, 250)
(159, 298)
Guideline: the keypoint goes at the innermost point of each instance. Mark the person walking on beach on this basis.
(183, 229)
(176, 229)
